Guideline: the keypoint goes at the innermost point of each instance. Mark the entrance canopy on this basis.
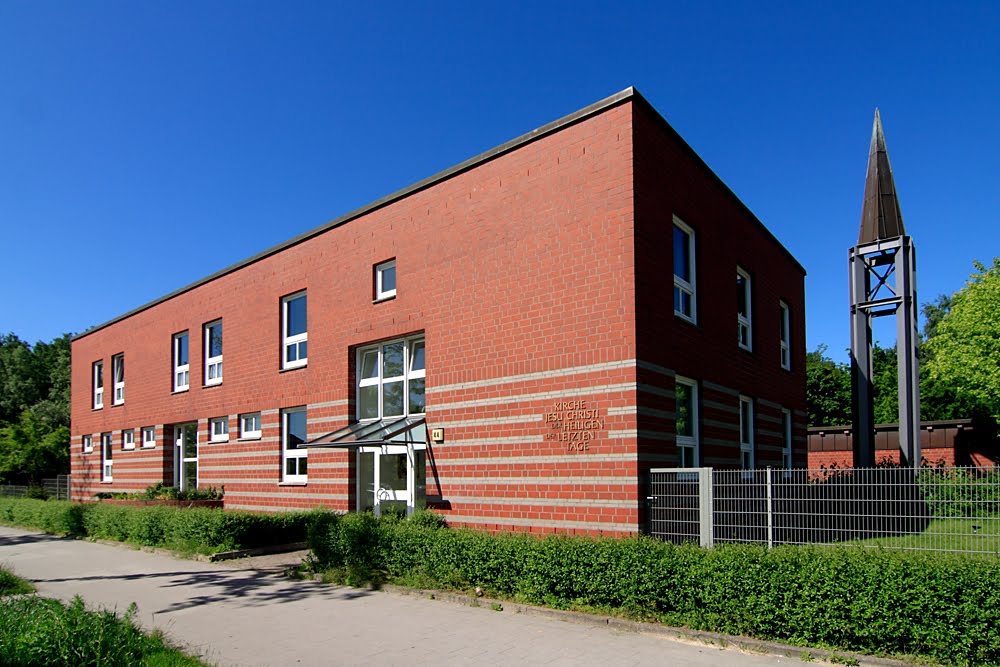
(396, 431)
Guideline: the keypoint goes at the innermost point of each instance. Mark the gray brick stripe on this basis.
(540, 375)
(541, 502)
(539, 396)
(542, 523)
(534, 481)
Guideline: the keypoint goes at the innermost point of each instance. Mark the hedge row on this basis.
(874, 601)
(186, 529)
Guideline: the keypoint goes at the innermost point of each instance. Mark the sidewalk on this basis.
(232, 614)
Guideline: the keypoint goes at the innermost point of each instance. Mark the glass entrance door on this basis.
(391, 479)
(186, 456)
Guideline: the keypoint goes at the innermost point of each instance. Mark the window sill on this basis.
(293, 483)
(118, 405)
(383, 299)
(249, 438)
(208, 385)
(181, 391)
(288, 369)
(107, 481)
(217, 441)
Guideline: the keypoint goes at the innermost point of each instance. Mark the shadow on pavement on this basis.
(32, 538)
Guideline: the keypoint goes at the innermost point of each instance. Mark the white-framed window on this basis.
(88, 444)
(391, 379)
(385, 280)
(148, 437)
(294, 331)
(250, 425)
(106, 452)
(686, 421)
(744, 334)
(784, 335)
(213, 352)
(182, 362)
(128, 439)
(685, 295)
(118, 372)
(786, 435)
(218, 427)
(98, 385)
(746, 433)
(293, 434)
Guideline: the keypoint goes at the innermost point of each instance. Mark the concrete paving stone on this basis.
(247, 613)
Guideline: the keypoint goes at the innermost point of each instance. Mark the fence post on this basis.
(770, 512)
(705, 507)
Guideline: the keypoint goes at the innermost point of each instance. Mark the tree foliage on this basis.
(34, 408)
(828, 389)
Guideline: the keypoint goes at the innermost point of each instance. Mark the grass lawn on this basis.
(975, 535)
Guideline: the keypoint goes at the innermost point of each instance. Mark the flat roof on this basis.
(594, 109)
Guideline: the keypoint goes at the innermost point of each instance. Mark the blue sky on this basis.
(144, 145)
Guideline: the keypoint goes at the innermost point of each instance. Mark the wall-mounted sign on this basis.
(437, 435)
(573, 422)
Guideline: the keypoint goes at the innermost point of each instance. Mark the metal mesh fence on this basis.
(56, 487)
(931, 509)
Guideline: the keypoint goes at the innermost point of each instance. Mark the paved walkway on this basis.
(232, 614)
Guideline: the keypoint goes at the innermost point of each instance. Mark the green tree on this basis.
(885, 384)
(963, 355)
(828, 389)
(30, 450)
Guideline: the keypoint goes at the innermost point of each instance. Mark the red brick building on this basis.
(505, 342)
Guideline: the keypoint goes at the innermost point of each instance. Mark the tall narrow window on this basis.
(684, 271)
(686, 420)
(182, 366)
(293, 434)
(786, 434)
(391, 379)
(746, 433)
(743, 315)
(88, 444)
(295, 334)
(385, 280)
(213, 353)
(128, 439)
(784, 325)
(118, 371)
(98, 385)
(148, 437)
(106, 451)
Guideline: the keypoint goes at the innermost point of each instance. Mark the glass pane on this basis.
(392, 472)
(190, 474)
(303, 465)
(417, 356)
(119, 369)
(682, 260)
(182, 350)
(99, 375)
(291, 352)
(369, 364)
(685, 410)
(368, 402)
(745, 422)
(392, 399)
(784, 324)
(295, 423)
(289, 466)
(366, 477)
(215, 340)
(295, 310)
(388, 278)
(420, 478)
(392, 360)
(741, 294)
(417, 396)
(303, 350)
(190, 437)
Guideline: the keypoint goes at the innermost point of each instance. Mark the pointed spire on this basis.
(880, 214)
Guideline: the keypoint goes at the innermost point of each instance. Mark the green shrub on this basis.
(11, 584)
(37, 492)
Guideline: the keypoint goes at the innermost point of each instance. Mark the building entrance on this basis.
(186, 456)
(392, 478)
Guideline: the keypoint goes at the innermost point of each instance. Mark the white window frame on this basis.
(107, 456)
(379, 381)
(88, 444)
(787, 461)
(380, 292)
(744, 321)
(249, 433)
(218, 429)
(128, 438)
(182, 372)
(688, 287)
(118, 364)
(785, 335)
(97, 382)
(148, 437)
(299, 455)
(747, 454)
(213, 364)
(296, 340)
(688, 446)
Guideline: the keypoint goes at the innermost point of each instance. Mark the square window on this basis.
(118, 372)
(182, 365)
(295, 334)
(128, 439)
(213, 353)
(148, 437)
(219, 429)
(385, 280)
(684, 271)
(250, 425)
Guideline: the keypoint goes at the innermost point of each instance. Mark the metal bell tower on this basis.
(883, 282)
